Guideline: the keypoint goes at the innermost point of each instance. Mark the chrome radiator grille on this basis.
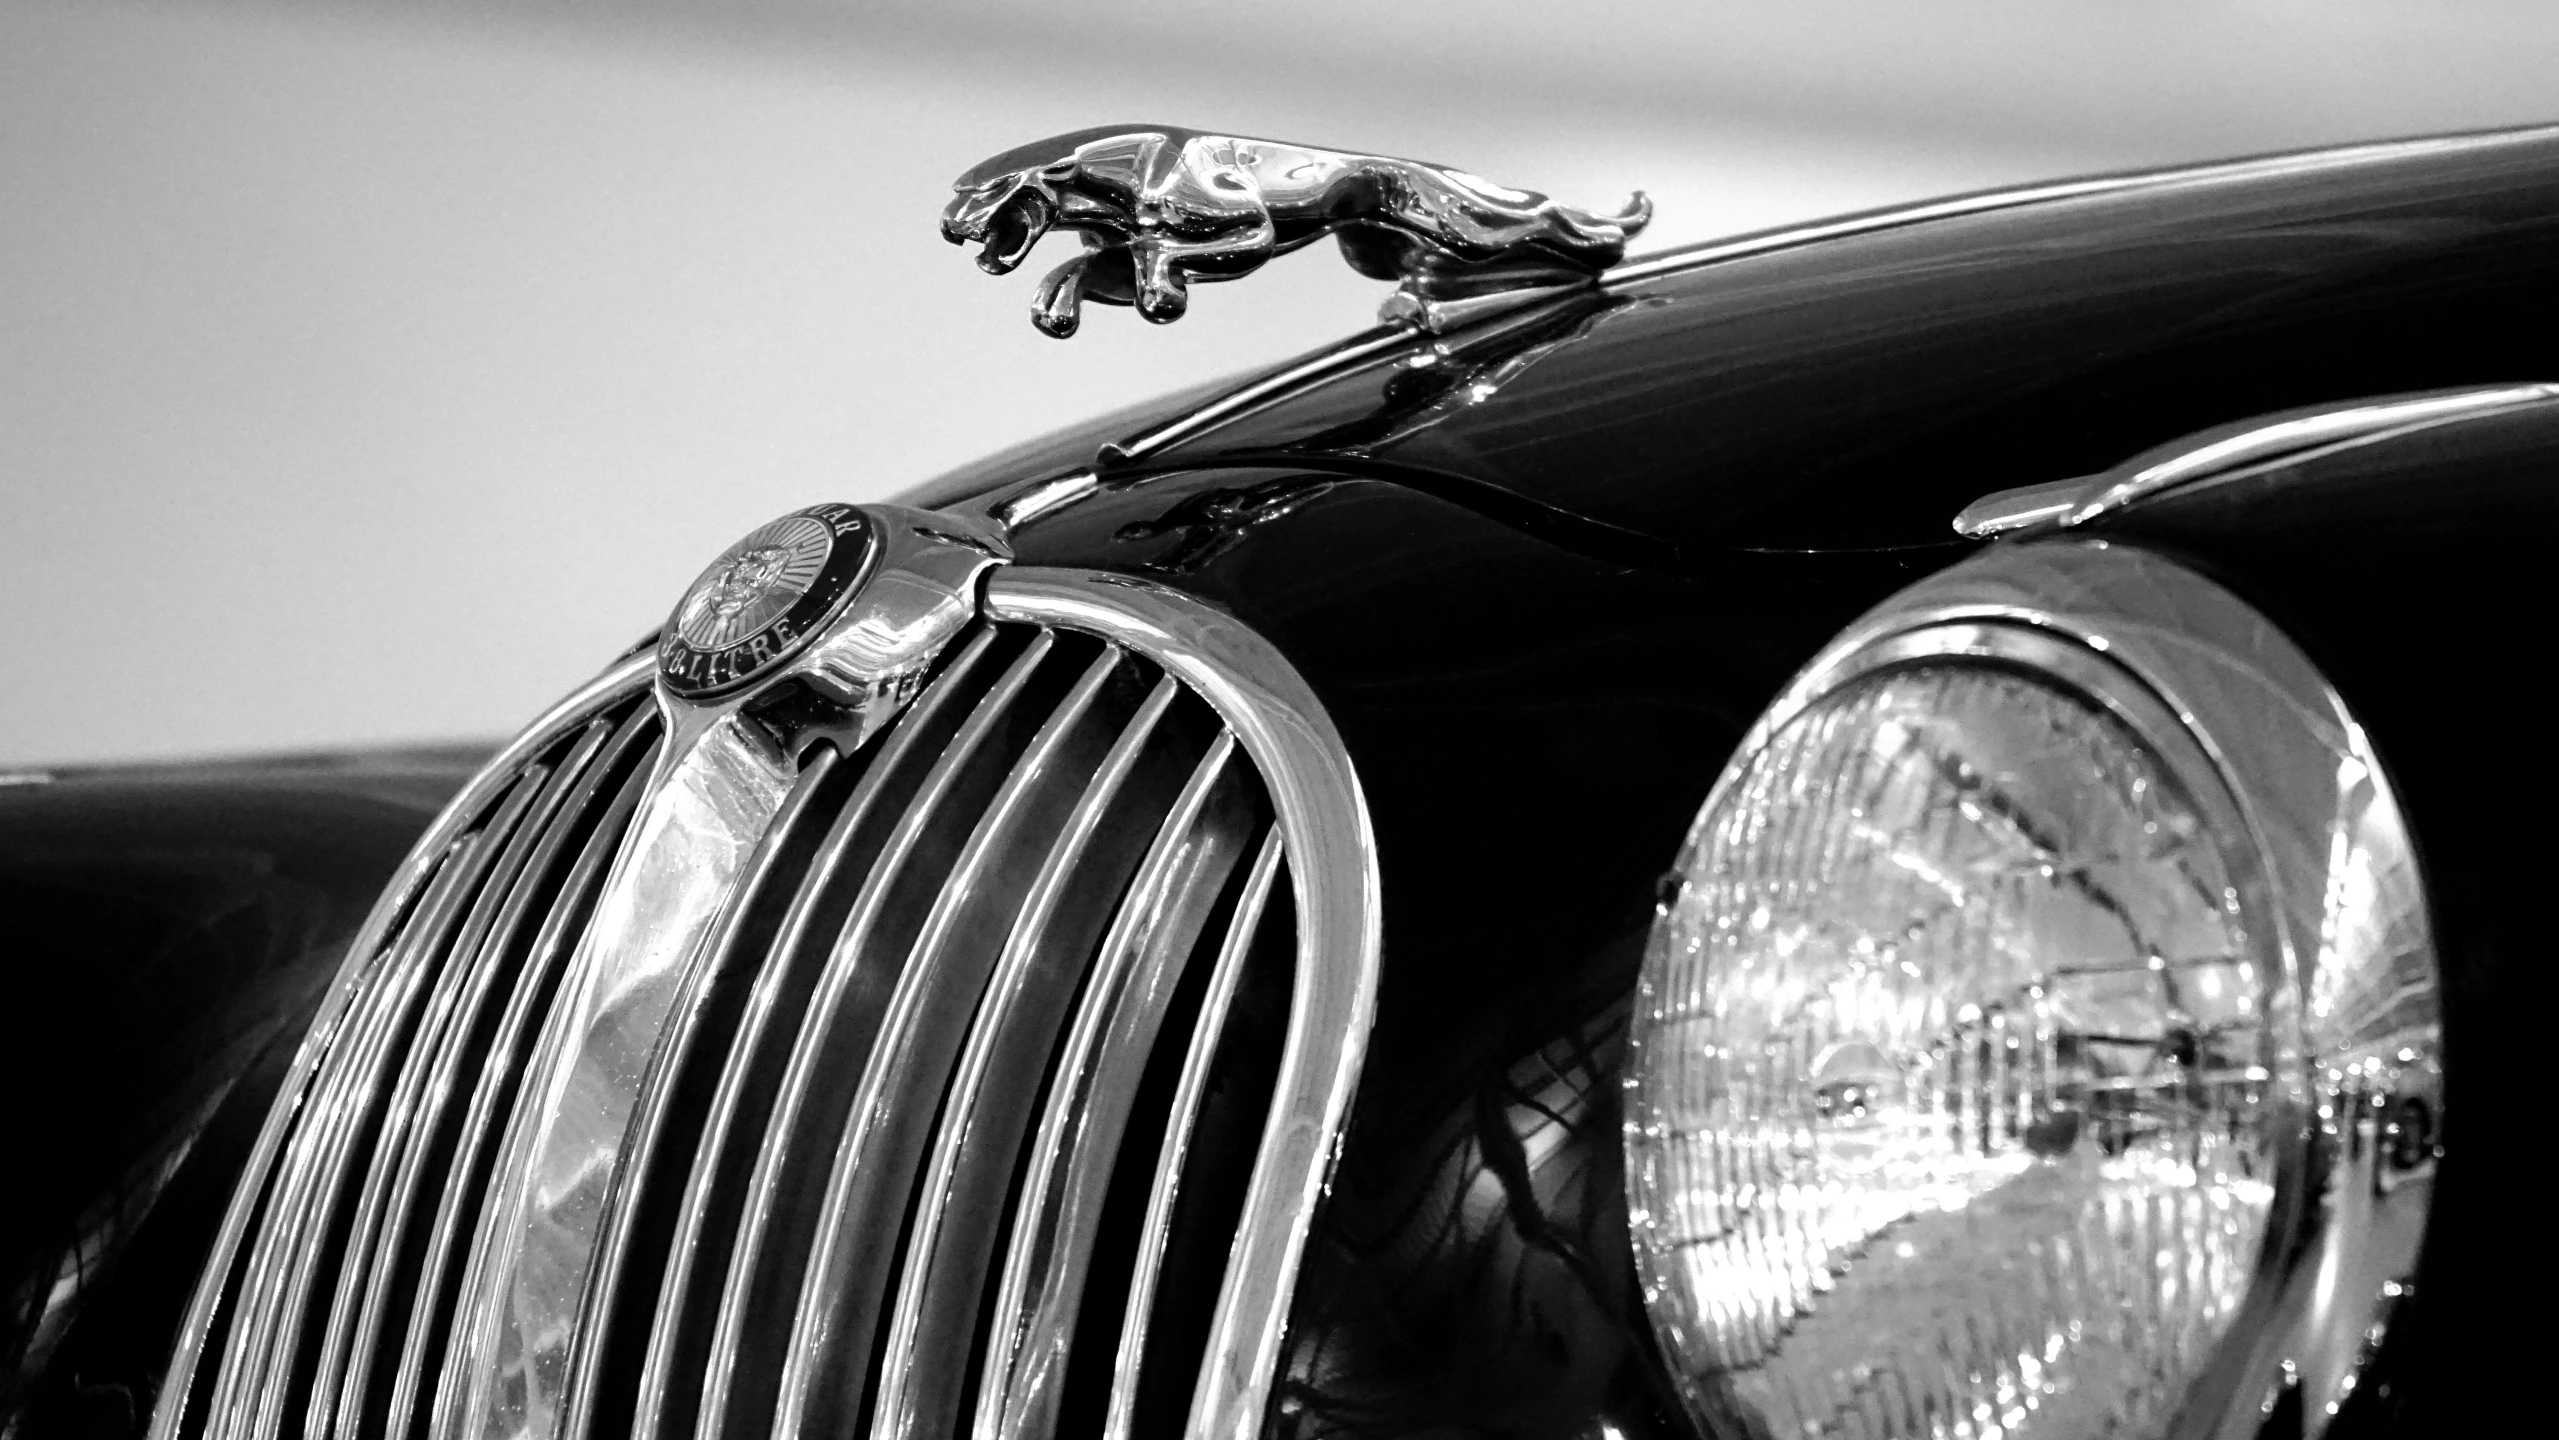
(993, 1100)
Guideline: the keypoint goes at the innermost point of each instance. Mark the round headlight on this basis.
(1977, 1086)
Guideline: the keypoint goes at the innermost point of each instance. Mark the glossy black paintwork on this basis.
(169, 929)
(1859, 391)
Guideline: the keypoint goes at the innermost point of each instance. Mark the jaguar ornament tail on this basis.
(1159, 207)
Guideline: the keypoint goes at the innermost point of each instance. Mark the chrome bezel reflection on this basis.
(2324, 881)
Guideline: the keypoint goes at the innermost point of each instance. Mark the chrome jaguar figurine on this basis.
(1160, 206)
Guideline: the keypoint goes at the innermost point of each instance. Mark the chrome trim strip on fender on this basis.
(2027, 507)
(1042, 497)
(2226, 451)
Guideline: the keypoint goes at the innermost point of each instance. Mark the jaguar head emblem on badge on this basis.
(764, 597)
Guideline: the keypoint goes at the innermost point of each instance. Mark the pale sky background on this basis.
(372, 372)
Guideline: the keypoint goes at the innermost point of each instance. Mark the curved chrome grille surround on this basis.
(903, 1133)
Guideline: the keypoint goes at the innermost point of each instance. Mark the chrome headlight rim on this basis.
(2270, 754)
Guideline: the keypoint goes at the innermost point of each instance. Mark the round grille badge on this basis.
(763, 598)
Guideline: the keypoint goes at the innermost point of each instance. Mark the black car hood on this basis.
(1852, 386)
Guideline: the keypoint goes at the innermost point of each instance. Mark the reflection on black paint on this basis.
(171, 930)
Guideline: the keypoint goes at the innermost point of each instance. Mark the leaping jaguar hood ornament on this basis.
(1159, 207)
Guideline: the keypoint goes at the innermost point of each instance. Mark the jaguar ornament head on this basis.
(1159, 207)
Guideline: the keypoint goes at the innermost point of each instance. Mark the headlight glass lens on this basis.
(1949, 1088)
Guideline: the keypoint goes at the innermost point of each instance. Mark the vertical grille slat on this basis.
(270, 1313)
(232, 1295)
(339, 1180)
(630, 754)
(753, 1079)
(469, 998)
(1165, 1190)
(885, 1087)
(960, 1209)
(443, 978)
(514, 1350)
(366, 1283)
(829, 1054)
(212, 1313)
(827, 1362)
(1074, 1153)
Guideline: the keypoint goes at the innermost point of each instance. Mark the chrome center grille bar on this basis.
(436, 1291)
(767, 1078)
(705, 813)
(417, 1125)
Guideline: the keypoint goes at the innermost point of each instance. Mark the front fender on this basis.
(169, 930)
